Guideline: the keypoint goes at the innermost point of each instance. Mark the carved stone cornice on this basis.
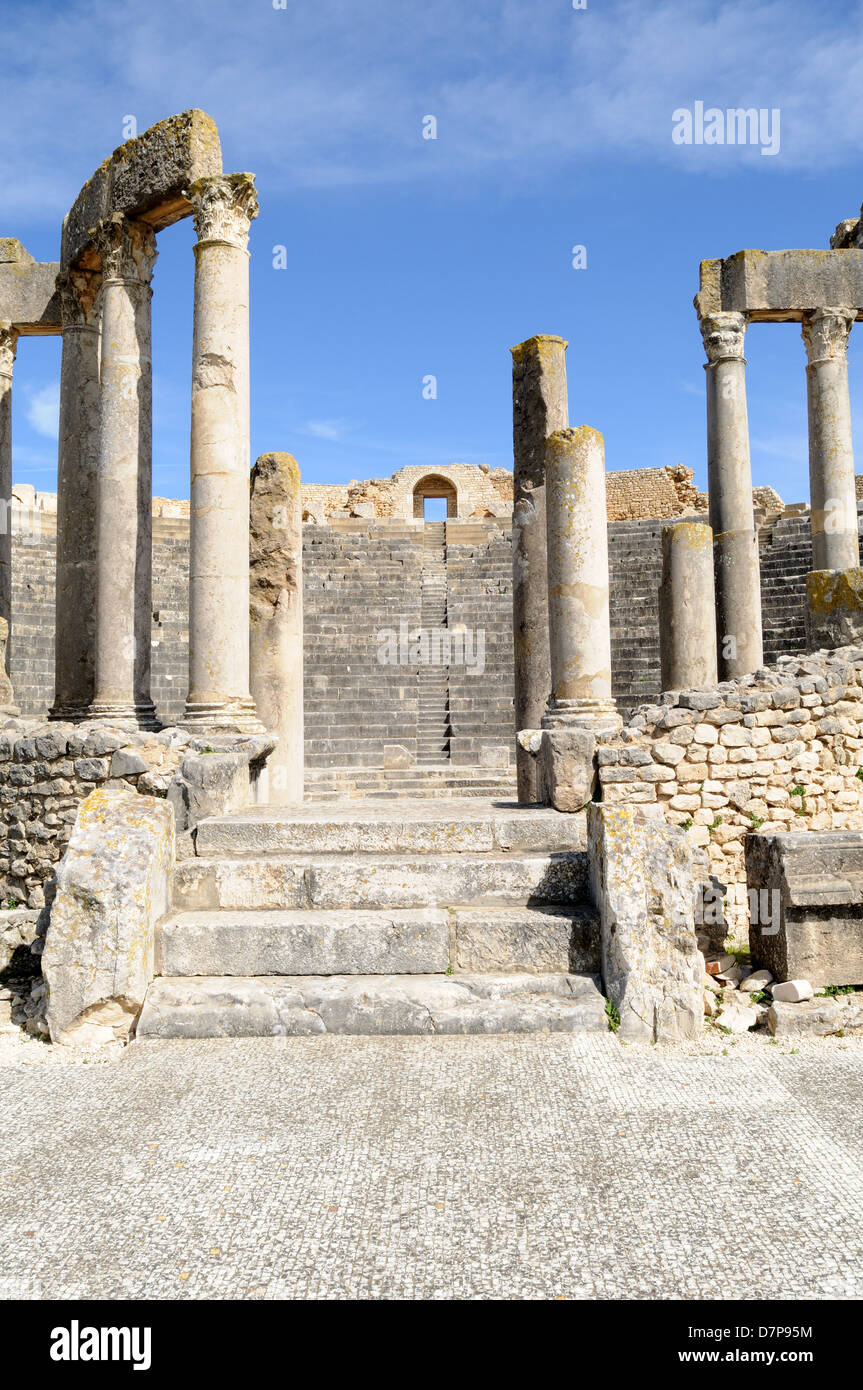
(8, 348)
(79, 293)
(825, 333)
(126, 249)
(723, 336)
(223, 207)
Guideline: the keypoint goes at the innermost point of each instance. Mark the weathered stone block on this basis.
(113, 887)
(810, 895)
(834, 608)
(566, 772)
(642, 879)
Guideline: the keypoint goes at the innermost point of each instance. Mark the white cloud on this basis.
(330, 94)
(333, 430)
(43, 410)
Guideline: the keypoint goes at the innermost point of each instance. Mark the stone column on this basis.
(735, 539)
(219, 698)
(687, 608)
(8, 347)
(832, 490)
(77, 474)
(124, 510)
(539, 407)
(578, 612)
(276, 618)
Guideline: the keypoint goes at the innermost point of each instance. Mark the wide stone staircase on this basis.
(361, 918)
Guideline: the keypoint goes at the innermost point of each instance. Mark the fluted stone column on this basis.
(687, 608)
(219, 697)
(832, 491)
(8, 347)
(77, 476)
(578, 609)
(276, 618)
(124, 524)
(735, 539)
(539, 407)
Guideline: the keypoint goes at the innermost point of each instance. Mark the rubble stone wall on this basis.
(776, 751)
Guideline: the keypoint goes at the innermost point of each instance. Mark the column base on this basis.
(221, 717)
(141, 715)
(68, 714)
(596, 716)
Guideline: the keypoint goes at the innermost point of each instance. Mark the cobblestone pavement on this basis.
(511, 1166)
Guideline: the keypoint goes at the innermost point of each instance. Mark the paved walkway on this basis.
(434, 1167)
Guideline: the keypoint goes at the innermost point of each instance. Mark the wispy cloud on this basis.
(43, 410)
(333, 430)
(318, 95)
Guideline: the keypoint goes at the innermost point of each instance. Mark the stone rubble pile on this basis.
(738, 999)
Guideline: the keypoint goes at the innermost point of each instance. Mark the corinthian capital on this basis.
(224, 207)
(825, 333)
(8, 346)
(79, 292)
(723, 335)
(127, 249)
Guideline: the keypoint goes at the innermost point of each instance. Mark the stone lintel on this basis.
(780, 286)
(28, 291)
(146, 179)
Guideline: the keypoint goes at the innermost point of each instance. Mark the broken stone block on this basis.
(819, 1017)
(754, 983)
(792, 991)
(641, 880)
(737, 1017)
(113, 887)
(566, 772)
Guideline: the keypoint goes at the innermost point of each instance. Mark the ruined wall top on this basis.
(147, 177)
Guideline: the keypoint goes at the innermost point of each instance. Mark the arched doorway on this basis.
(434, 487)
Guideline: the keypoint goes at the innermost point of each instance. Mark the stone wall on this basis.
(358, 576)
(46, 770)
(641, 494)
(774, 753)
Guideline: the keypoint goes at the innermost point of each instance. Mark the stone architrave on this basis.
(731, 514)
(8, 345)
(643, 881)
(276, 618)
(687, 608)
(539, 405)
(219, 696)
(833, 497)
(77, 482)
(124, 527)
(113, 888)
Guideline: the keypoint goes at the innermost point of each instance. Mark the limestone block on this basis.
(642, 879)
(213, 780)
(819, 1017)
(113, 887)
(811, 883)
(834, 608)
(28, 291)
(146, 177)
(566, 774)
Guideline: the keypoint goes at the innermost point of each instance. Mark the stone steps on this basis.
(243, 1006)
(374, 942)
(380, 880)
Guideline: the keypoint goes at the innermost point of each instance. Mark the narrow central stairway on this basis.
(433, 714)
(362, 918)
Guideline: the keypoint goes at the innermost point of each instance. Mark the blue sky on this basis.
(408, 257)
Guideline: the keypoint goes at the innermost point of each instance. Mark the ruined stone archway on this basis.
(434, 485)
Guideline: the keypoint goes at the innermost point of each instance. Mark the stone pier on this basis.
(276, 618)
(77, 481)
(737, 569)
(127, 251)
(832, 491)
(8, 346)
(539, 409)
(687, 608)
(219, 696)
